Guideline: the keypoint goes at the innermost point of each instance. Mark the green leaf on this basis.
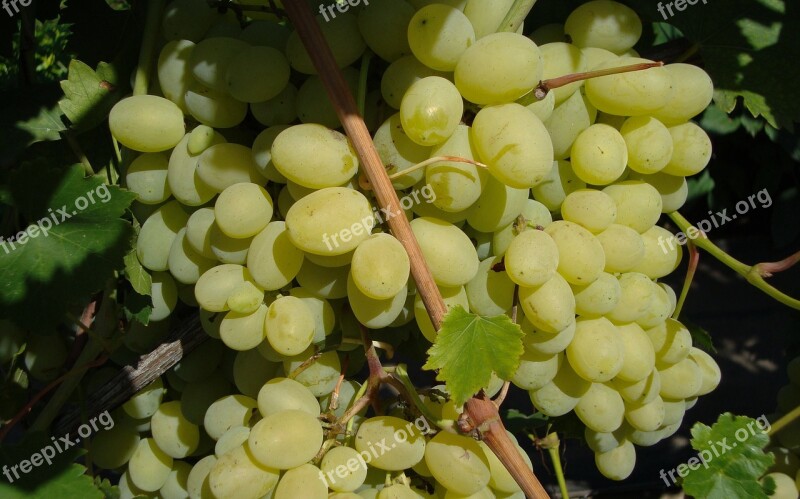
(79, 243)
(732, 459)
(33, 117)
(717, 121)
(140, 279)
(700, 337)
(62, 478)
(138, 307)
(89, 95)
(470, 347)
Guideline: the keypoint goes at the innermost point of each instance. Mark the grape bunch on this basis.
(545, 199)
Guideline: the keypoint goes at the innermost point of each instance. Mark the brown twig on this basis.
(334, 404)
(305, 365)
(768, 269)
(545, 86)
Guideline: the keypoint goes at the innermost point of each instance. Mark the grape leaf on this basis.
(33, 117)
(470, 347)
(61, 478)
(78, 243)
(89, 95)
(732, 459)
(140, 279)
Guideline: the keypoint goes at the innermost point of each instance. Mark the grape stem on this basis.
(144, 69)
(552, 443)
(365, 184)
(694, 260)
(753, 274)
(334, 404)
(545, 86)
(305, 365)
(784, 421)
(516, 15)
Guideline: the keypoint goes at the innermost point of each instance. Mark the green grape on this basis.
(344, 469)
(516, 64)
(173, 434)
(617, 464)
(431, 110)
(549, 33)
(289, 325)
(785, 487)
(562, 394)
(397, 491)
(598, 298)
(238, 473)
(212, 57)
(231, 439)
(681, 380)
(452, 296)
(146, 401)
(536, 215)
(174, 76)
(693, 93)
(567, 122)
(147, 178)
(604, 24)
(709, 368)
(257, 74)
(514, 143)
(280, 110)
(313, 104)
(164, 295)
(532, 258)
(637, 93)
(176, 486)
(128, 490)
(149, 467)
(375, 313)
(250, 371)
(405, 441)
(456, 185)
(399, 77)
(603, 442)
(285, 439)
(143, 339)
(662, 254)
(672, 342)
(347, 395)
(659, 310)
(611, 120)
(246, 298)
(601, 408)
(324, 282)
(243, 331)
(581, 257)
(561, 59)
(646, 417)
(559, 182)
(380, 267)
(636, 292)
(243, 210)
(187, 20)
(594, 210)
(262, 153)
(438, 35)
(639, 355)
(226, 26)
(398, 152)
(146, 123)
(543, 109)
(486, 15)
(500, 480)
(639, 392)
(551, 306)
(158, 234)
(197, 483)
(200, 139)
(599, 155)
(498, 206)
(449, 253)
(213, 107)
(114, 447)
(184, 181)
(227, 249)
(223, 165)
(595, 56)
(215, 286)
(284, 394)
(200, 363)
(273, 260)
(649, 144)
(536, 369)
(343, 37)
(490, 292)
(198, 396)
(597, 351)
(458, 463)
(384, 27)
(692, 150)
(674, 410)
(624, 248)
(638, 204)
(266, 33)
(332, 162)
(321, 309)
(321, 377)
(330, 222)
(304, 481)
(673, 190)
(430, 210)
(184, 263)
(226, 413)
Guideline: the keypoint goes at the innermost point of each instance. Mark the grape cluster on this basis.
(553, 205)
